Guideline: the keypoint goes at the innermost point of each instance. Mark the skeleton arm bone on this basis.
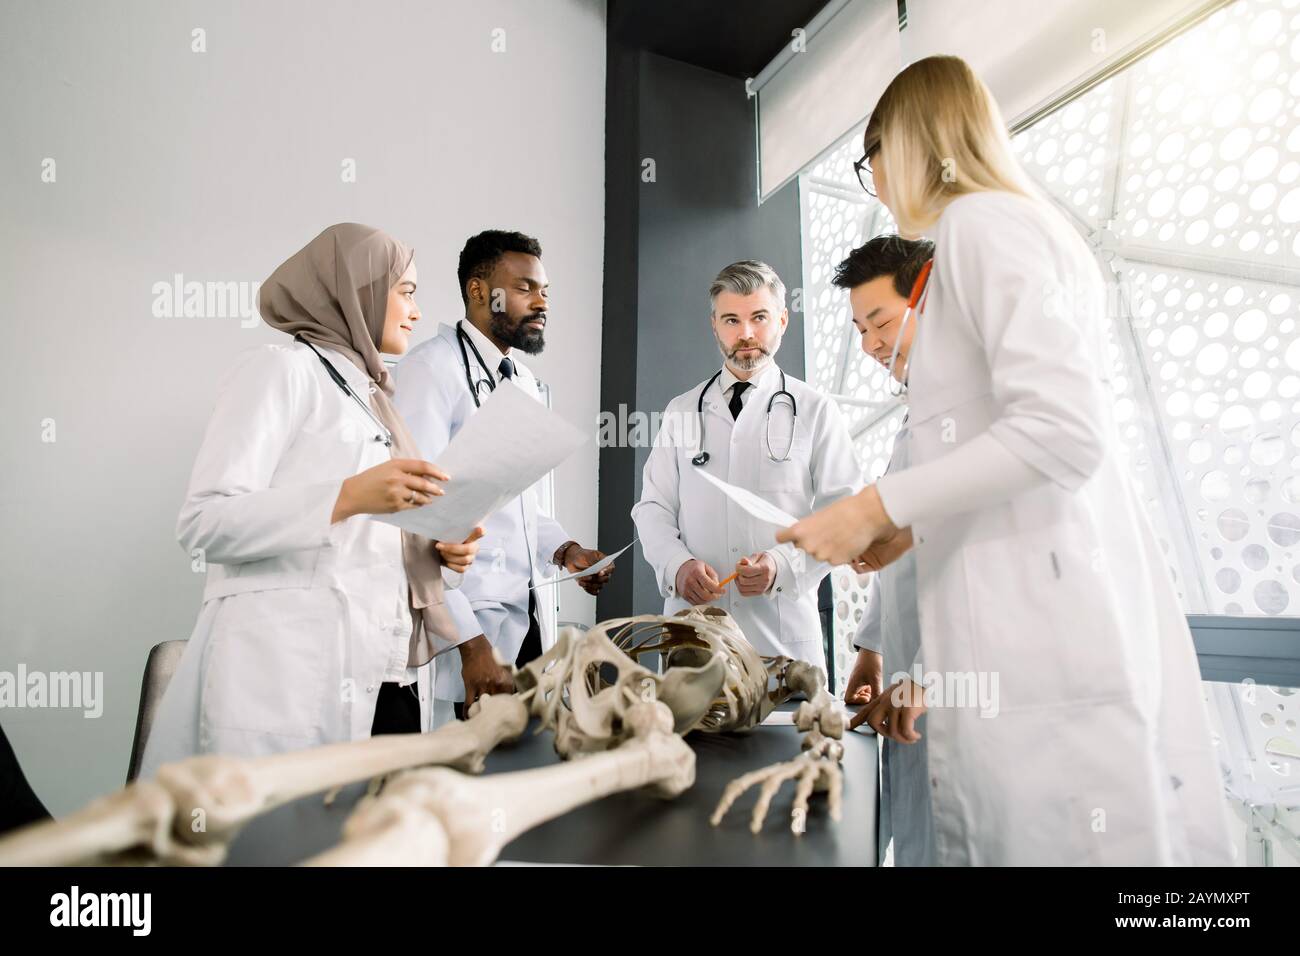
(195, 807)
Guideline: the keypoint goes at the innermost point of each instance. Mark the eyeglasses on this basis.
(858, 167)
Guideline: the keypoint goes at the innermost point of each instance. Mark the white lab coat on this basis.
(1101, 752)
(681, 516)
(889, 627)
(432, 393)
(301, 620)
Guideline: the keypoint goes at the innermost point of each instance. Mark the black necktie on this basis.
(506, 369)
(737, 390)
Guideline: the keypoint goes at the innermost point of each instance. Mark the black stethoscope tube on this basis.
(703, 457)
(462, 337)
(385, 435)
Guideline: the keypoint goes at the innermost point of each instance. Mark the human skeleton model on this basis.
(702, 638)
(618, 725)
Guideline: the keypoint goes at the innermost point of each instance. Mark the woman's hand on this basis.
(839, 533)
(395, 485)
(458, 557)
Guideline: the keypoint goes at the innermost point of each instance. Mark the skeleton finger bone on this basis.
(815, 770)
(777, 775)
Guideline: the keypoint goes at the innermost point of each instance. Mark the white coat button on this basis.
(934, 781)
(734, 550)
(370, 689)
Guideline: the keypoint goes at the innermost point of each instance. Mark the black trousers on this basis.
(397, 711)
(529, 650)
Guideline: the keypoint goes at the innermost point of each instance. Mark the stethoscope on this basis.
(703, 457)
(384, 435)
(920, 288)
(475, 388)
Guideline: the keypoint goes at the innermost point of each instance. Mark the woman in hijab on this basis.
(316, 620)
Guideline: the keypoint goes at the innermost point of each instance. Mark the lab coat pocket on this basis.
(790, 475)
(269, 660)
(800, 629)
(1039, 618)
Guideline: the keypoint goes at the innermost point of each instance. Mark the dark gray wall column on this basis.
(665, 240)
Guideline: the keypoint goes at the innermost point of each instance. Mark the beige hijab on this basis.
(334, 293)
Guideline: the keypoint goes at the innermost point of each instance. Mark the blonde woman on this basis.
(1043, 597)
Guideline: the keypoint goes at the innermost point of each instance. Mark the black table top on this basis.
(638, 828)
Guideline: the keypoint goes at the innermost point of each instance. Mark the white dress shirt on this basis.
(434, 398)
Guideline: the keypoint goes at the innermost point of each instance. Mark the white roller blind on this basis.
(1032, 52)
(813, 98)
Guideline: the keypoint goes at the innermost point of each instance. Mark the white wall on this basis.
(217, 166)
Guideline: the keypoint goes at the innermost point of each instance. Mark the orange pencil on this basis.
(728, 579)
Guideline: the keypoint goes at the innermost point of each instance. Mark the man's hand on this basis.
(883, 552)
(458, 557)
(697, 582)
(574, 557)
(865, 679)
(482, 672)
(755, 574)
(895, 713)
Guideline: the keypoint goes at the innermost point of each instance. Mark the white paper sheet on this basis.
(785, 718)
(760, 508)
(596, 568)
(506, 446)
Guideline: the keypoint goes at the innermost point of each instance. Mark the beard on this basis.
(747, 364)
(514, 333)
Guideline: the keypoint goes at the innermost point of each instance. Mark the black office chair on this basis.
(158, 671)
(19, 804)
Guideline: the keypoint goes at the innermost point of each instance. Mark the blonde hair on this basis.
(941, 135)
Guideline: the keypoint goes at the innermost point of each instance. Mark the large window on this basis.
(1183, 175)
